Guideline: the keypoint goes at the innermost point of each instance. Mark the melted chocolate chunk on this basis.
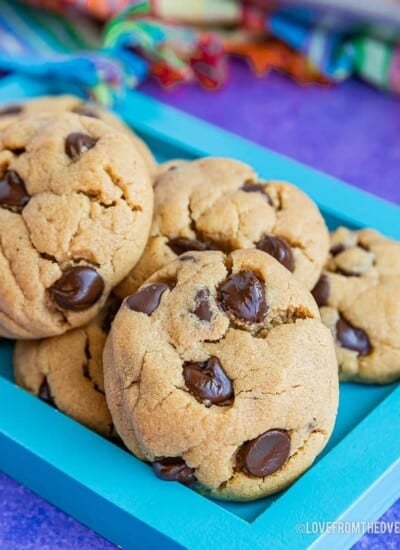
(179, 245)
(174, 469)
(85, 110)
(13, 192)
(265, 454)
(202, 309)
(78, 143)
(353, 338)
(45, 393)
(250, 187)
(321, 291)
(78, 288)
(243, 296)
(147, 299)
(11, 110)
(337, 249)
(279, 249)
(208, 382)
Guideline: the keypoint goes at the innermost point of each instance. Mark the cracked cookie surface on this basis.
(75, 212)
(358, 298)
(219, 372)
(216, 203)
(68, 103)
(67, 372)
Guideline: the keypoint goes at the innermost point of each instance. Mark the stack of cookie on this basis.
(187, 329)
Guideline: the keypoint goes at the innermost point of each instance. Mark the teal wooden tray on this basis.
(355, 479)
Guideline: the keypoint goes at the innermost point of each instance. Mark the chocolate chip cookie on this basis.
(219, 372)
(221, 204)
(67, 371)
(358, 294)
(75, 212)
(68, 103)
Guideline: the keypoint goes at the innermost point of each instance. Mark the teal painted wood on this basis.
(356, 478)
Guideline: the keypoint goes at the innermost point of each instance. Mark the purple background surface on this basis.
(350, 131)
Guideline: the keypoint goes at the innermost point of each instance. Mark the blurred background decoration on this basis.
(101, 47)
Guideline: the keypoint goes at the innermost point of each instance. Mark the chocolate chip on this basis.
(352, 338)
(78, 288)
(321, 291)
(174, 469)
(279, 249)
(179, 245)
(243, 295)
(265, 454)
(45, 393)
(202, 309)
(208, 382)
(249, 187)
(78, 143)
(13, 192)
(11, 110)
(85, 110)
(147, 299)
(337, 249)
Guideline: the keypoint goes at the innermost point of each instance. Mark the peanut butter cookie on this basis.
(219, 372)
(67, 371)
(68, 103)
(358, 294)
(75, 212)
(221, 204)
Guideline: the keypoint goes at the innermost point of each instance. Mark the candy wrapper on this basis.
(177, 41)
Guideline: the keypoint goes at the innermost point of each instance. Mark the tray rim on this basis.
(371, 492)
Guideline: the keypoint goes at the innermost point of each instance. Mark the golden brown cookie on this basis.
(68, 103)
(75, 211)
(67, 371)
(358, 296)
(216, 203)
(220, 373)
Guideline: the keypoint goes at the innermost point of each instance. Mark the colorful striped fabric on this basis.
(66, 51)
(339, 55)
(178, 41)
